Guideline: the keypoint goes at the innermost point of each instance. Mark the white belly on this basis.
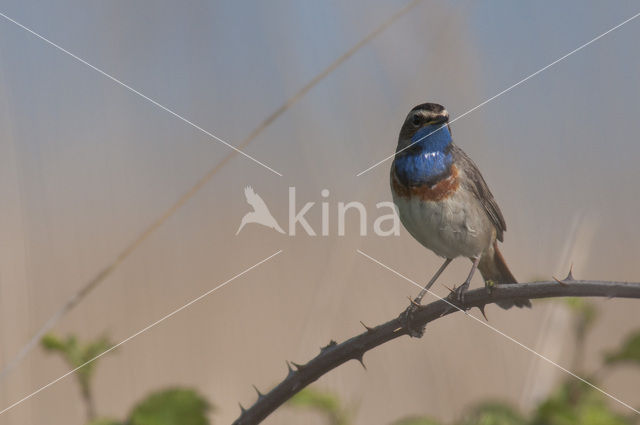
(456, 226)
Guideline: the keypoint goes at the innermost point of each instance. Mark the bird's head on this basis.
(422, 127)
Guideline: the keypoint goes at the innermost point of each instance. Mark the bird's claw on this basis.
(458, 294)
(407, 319)
(414, 303)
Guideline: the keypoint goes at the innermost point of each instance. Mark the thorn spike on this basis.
(289, 366)
(366, 327)
(481, 308)
(260, 395)
(297, 366)
(451, 290)
(559, 281)
(360, 358)
(570, 275)
(242, 409)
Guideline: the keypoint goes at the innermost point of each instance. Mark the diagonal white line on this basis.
(507, 89)
(139, 332)
(548, 360)
(131, 89)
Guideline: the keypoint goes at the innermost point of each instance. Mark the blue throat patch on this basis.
(427, 160)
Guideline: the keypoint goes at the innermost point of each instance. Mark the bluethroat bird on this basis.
(444, 202)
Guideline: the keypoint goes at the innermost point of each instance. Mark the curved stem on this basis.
(333, 355)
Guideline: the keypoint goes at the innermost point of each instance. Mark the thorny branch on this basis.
(334, 354)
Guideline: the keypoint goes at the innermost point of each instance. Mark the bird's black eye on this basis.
(416, 120)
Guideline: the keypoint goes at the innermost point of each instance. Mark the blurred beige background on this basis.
(86, 165)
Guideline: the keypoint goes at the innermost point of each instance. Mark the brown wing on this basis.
(476, 184)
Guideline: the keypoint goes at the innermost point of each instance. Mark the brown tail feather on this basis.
(493, 268)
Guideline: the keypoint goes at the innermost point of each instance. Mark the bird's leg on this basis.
(465, 286)
(435, 277)
(408, 314)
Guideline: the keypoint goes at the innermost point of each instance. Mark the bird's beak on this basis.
(442, 118)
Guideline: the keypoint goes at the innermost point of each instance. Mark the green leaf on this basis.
(628, 353)
(174, 406)
(77, 354)
(309, 397)
(324, 402)
(585, 311)
(85, 353)
(493, 413)
(577, 403)
(51, 342)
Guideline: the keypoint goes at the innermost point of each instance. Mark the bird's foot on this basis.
(406, 318)
(457, 294)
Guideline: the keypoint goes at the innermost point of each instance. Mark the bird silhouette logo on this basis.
(260, 213)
